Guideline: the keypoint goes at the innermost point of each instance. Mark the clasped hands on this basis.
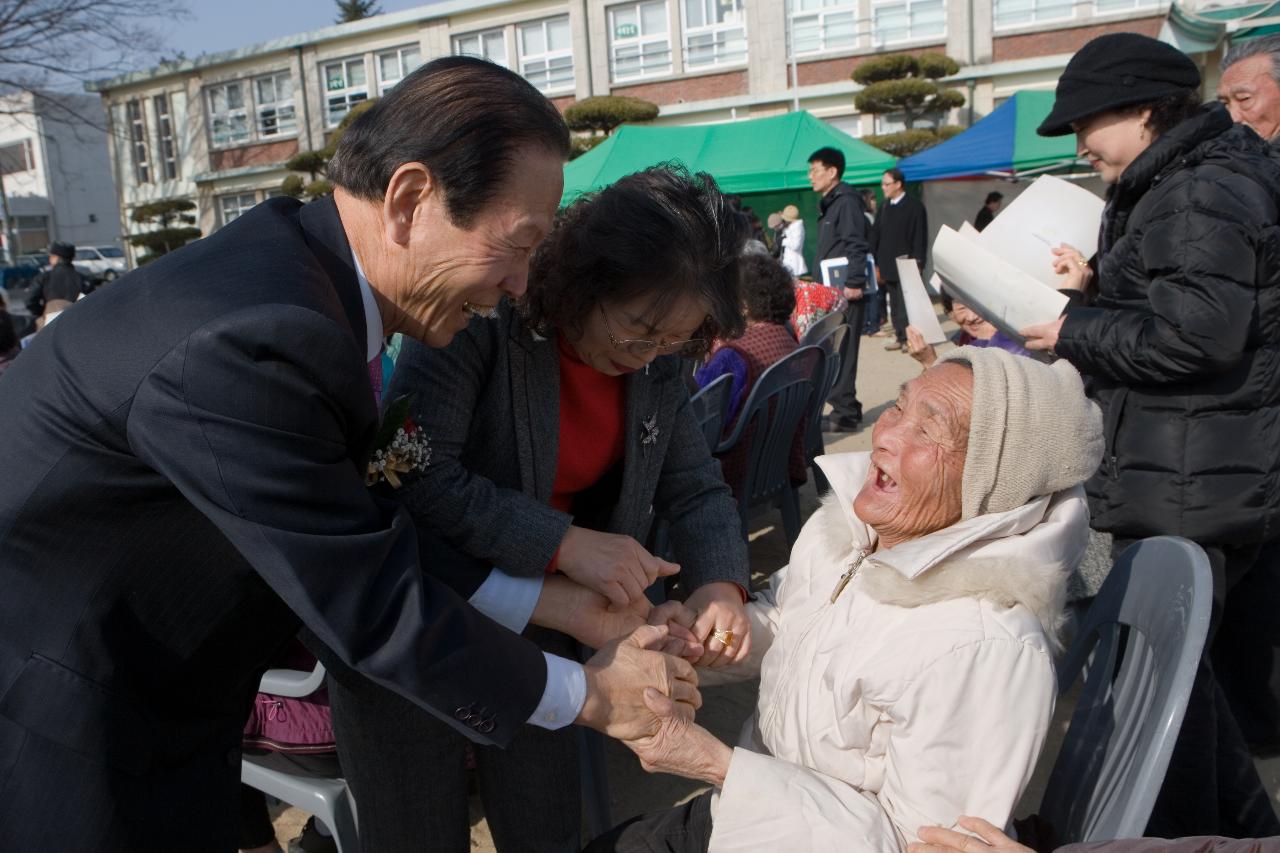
(611, 573)
(641, 685)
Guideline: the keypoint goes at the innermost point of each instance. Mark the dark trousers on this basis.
(682, 829)
(407, 774)
(875, 312)
(1245, 657)
(1212, 786)
(897, 309)
(844, 394)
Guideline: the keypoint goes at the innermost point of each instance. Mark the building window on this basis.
(395, 65)
(1015, 13)
(32, 233)
(228, 115)
(715, 33)
(818, 26)
(910, 20)
(639, 40)
(546, 54)
(490, 45)
(168, 145)
(233, 206)
(16, 157)
(345, 86)
(274, 107)
(138, 141)
(1104, 7)
(851, 125)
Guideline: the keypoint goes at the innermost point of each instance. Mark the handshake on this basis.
(642, 687)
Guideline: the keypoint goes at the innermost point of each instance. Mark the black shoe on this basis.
(844, 423)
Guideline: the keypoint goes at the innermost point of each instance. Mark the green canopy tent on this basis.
(765, 161)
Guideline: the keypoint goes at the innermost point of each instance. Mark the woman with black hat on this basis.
(60, 281)
(1182, 349)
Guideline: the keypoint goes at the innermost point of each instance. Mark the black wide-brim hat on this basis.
(1114, 71)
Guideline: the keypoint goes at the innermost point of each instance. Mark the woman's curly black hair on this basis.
(768, 290)
(662, 233)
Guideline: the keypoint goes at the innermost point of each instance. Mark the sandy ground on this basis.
(631, 790)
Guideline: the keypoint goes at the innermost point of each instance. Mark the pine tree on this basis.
(906, 85)
(356, 10)
(175, 227)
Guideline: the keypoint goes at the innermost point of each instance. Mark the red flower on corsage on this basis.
(401, 448)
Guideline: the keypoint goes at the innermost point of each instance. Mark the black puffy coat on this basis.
(1182, 347)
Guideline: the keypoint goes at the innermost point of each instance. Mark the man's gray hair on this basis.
(1260, 46)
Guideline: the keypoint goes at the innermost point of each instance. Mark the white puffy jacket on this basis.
(922, 693)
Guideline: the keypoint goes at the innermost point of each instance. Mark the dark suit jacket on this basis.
(182, 486)
(490, 403)
(901, 229)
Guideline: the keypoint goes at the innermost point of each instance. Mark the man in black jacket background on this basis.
(902, 228)
(60, 281)
(842, 233)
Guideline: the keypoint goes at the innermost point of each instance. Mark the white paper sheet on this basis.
(993, 287)
(920, 311)
(1047, 214)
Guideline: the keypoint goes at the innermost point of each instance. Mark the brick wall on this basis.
(253, 155)
(564, 102)
(688, 89)
(819, 71)
(1066, 40)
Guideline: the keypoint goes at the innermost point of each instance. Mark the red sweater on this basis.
(592, 417)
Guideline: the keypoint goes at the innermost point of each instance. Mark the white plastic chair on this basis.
(1139, 646)
(325, 797)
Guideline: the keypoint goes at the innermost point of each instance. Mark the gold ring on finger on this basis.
(725, 637)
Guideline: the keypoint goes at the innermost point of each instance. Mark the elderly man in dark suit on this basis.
(184, 484)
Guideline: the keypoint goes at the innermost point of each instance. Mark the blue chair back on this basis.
(710, 405)
(832, 345)
(773, 413)
(1138, 648)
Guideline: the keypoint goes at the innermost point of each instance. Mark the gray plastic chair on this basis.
(822, 328)
(832, 345)
(1138, 647)
(710, 405)
(326, 798)
(770, 419)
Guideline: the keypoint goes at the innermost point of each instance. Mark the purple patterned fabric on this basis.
(375, 379)
(726, 360)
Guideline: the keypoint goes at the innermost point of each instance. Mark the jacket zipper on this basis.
(850, 573)
(855, 564)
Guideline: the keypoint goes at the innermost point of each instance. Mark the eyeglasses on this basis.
(642, 348)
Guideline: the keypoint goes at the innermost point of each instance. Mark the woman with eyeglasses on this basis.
(559, 429)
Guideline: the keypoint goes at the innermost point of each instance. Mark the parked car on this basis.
(39, 260)
(100, 263)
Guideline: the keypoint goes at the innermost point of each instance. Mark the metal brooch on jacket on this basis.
(650, 437)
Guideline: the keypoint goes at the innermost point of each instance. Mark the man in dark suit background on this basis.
(183, 485)
(842, 233)
(902, 228)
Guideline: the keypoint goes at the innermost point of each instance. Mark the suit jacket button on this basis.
(485, 726)
(464, 713)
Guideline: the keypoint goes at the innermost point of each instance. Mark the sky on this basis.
(217, 25)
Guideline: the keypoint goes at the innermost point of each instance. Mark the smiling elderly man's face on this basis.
(917, 454)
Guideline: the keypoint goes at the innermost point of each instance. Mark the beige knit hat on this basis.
(1032, 431)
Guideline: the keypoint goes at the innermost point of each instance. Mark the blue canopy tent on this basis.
(1002, 145)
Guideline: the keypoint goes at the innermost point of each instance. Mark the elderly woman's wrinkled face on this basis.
(969, 320)
(615, 336)
(918, 448)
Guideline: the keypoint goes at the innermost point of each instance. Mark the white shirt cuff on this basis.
(565, 694)
(507, 600)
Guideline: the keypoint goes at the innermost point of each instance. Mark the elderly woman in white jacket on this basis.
(906, 653)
